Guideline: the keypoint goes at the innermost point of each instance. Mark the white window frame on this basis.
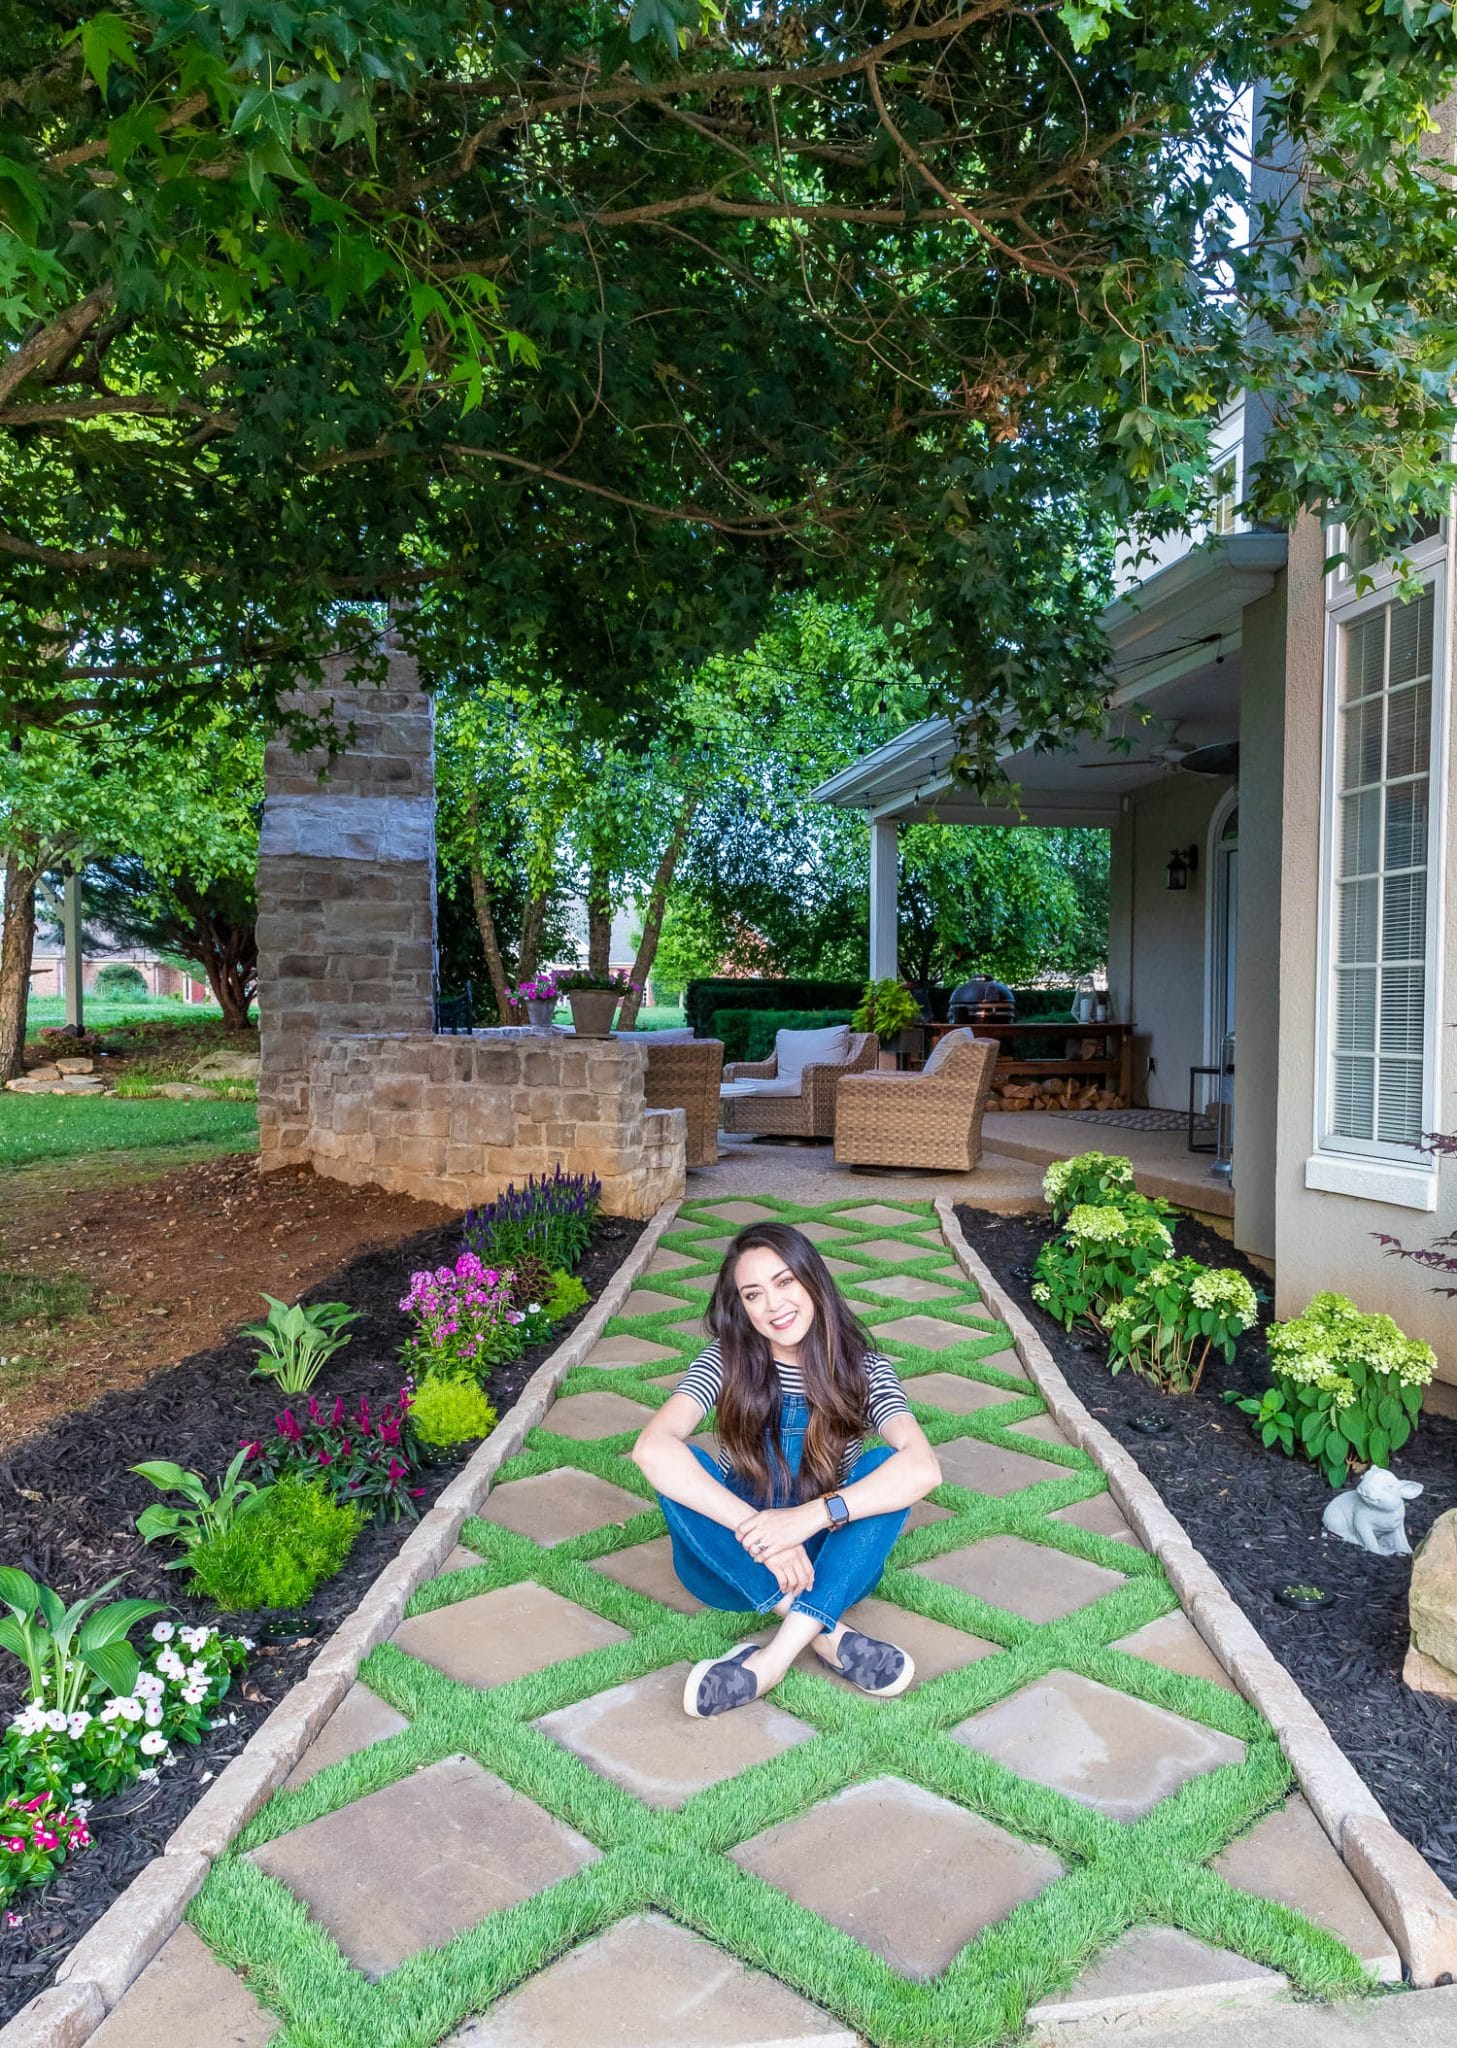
(1371, 1168)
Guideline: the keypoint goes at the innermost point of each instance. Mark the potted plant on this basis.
(594, 998)
(886, 1008)
(540, 997)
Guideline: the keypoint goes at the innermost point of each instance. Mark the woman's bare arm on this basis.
(662, 1455)
(899, 1483)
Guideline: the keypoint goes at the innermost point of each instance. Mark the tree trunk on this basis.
(480, 897)
(17, 949)
(533, 923)
(657, 903)
(599, 921)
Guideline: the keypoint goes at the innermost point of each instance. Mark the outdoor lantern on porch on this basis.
(1183, 862)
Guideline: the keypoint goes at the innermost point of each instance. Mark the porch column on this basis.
(884, 877)
(71, 938)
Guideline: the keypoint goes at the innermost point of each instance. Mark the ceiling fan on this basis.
(1221, 757)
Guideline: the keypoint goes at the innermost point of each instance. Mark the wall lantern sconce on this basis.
(1183, 862)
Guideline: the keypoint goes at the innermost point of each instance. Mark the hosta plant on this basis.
(204, 1515)
(1346, 1387)
(1101, 1179)
(69, 1653)
(1177, 1314)
(295, 1344)
(1101, 1254)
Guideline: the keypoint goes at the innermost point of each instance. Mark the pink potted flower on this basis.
(594, 999)
(540, 997)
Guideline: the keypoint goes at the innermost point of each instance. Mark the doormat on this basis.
(1135, 1119)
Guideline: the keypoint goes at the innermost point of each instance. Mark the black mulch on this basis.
(1255, 1515)
(67, 1507)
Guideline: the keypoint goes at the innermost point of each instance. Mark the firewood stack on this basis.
(1063, 1091)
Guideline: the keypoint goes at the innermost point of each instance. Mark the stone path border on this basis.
(112, 1953)
(1408, 1897)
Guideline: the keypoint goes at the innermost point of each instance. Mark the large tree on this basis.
(583, 328)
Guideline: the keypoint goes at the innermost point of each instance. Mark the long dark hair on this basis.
(832, 1360)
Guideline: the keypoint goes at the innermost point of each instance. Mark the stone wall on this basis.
(346, 893)
(453, 1119)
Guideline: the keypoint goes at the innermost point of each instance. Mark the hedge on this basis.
(750, 1034)
(706, 1001)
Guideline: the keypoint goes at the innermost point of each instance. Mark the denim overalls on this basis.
(716, 1569)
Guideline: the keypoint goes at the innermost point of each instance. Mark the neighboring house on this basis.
(1315, 837)
(48, 972)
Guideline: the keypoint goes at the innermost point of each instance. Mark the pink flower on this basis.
(397, 1471)
(325, 1459)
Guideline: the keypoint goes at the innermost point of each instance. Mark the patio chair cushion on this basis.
(944, 1048)
(796, 1050)
(783, 1085)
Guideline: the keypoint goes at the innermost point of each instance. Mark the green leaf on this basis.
(106, 39)
(158, 1521)
(18, 1591)
(113, 1622)
(115, 1664)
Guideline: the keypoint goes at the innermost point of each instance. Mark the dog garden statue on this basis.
(1373, 1514)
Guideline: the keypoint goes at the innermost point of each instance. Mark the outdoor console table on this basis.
(1114, 1064)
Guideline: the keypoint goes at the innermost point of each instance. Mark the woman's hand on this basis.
(770, 1531)
(793, 1570)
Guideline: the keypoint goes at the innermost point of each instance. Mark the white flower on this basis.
(148, 1777)
(170, 1664)
(152, 1744)
(79, 1786)
(55, 1721)
(245, 1642)
(195, 1695)
(195, 1638)
(130, 1709)
(29, 1721)
(77, 1724)
(162, 1632)
(153, 1716)
(196, 1674)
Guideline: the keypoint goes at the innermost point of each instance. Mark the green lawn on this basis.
(36, 1127)
(100, 1015)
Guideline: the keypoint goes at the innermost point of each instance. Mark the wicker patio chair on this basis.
(686, 1077)
(930, 1119)
(810, 1113)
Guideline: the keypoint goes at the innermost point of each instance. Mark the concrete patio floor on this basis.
(510, 1836)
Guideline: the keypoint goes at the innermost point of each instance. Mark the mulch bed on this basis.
(1255, 1515)
(67, 1508)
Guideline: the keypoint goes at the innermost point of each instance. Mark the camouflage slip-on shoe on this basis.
(719, 1684)
(883, 1669)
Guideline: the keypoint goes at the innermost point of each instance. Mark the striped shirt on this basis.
(703, 1383)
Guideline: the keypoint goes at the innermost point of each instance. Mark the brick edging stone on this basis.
(1410, 1900)
(114, 1952)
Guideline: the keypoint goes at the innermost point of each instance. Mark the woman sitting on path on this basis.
(794, 1517)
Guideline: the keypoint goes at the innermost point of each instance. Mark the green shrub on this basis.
(1347, 1387)
(451, 1412)
(750, 1034)
(120, 983)
(1101, 1179)
(292, 1542)
(565, 1296)
(1177, 1314)
(1101, 1254)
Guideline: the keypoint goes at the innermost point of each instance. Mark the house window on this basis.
(1383, 710)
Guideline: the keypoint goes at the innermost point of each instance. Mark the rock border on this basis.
(112, 1954)
(1404, 1892)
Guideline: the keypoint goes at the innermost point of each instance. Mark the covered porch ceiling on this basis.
(1177, 662)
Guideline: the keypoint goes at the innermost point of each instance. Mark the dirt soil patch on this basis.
(67, 1509)
(174, 1262)
(1255, 1515)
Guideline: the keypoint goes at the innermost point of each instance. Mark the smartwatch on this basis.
(837, 1511)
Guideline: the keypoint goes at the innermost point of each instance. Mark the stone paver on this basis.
(927, 1333)
(1101, 1514)
(822, 1233)
(935, 1648)
(648, 1568)
(1289, 1856)
(900, 1842)
(471, 1846)
(1111, 1751)
(647, 1301)
(185, 1999)
(1007, 1362)
(1030, 1580)
(956, 1395)
(649, 1983)
(880, 1213)
(1176, 1644)
(665, 1260)
(361, 1718)
(739, 1213)
(892, 1251)
(923, 1512)
(495, 1637)
(556, 1505)
(584, 1416)
(989, 1469)
(1150, 1961)
(1042, 1427)
(638, 1735)
(906, 1287)
(613, 1351)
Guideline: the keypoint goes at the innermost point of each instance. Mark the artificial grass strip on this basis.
(1116, 1876)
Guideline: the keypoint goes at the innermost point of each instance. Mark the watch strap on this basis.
(835, 1508)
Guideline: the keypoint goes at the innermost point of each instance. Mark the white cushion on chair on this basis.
(784, 1085)
(796, 1050)
(944, 1048)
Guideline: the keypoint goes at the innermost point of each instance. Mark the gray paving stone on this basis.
(991, 1468)
(1289, 1857)
(839, 1267)
(461, 1559)
(926, 1333)
(1155, 1969)
(1096, 1744)
(559, 1504)
(908, 1287)
(901, 1843)
(1026, 1578)
(1042, 1427)
(470, 1845)
(704, 1281)
(925, 1511)
(879, 1213)
(495, 1637)
(627, 1351)
(585, 1416)
(648, 1568)
(647, 1301)
(1101, 1515)
(638, 1735)
(1007, 1362)
(187, 1999)
(649, 1983)
(935, 1648)
(957, 1396)
(361, 1718)
(697, 1329)
(1175, 1643)
(891, 1251)
(821, 1233)
(665, 1260)
(739, 1213)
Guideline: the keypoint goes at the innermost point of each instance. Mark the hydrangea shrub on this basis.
(1101, 1254)
(1100, 1179)
(1180, 1311)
